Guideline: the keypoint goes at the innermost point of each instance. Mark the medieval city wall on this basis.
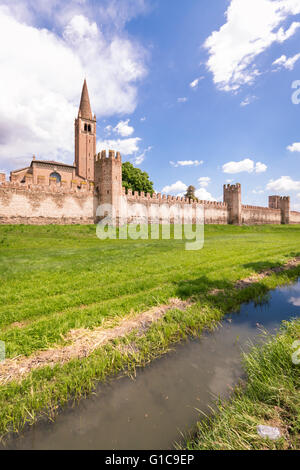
(255, 215)
(294, 217)
(44, 205)
(214, 212)
(76, 203)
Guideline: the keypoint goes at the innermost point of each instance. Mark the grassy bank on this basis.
(271, 397)
(54, 279)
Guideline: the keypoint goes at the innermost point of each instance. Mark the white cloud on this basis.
(41, 79)
(194, 84)
(284, 183)
(143, 119)
(287, 63)
(187, 163)
(124, 146)
(182, 100)
(204, 195)
(251, 27)
(123, 129)
(245, 165)
(295, 147)
(138, 160)
(260, 167)
(204, 181)
(112, 13)
(175, 189)
(179, 189)
(295, 301)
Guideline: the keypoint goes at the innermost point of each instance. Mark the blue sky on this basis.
(192, 92)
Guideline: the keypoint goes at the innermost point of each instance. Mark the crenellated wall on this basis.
(294, 217)
(44, 205)
(255, 215)
(214, 212)
(77, 202)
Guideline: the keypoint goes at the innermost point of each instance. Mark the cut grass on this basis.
(54, 279)
(271, 397)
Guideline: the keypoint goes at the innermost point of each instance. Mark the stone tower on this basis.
(233, 198)
(108, 179)
(85, 137)
(282, 203)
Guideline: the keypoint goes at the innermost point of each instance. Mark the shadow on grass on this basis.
(260, 266)
(202, 285)
(226, 297)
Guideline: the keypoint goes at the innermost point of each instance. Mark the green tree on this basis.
(136, 179)
(190, 194)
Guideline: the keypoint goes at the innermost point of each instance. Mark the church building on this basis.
(41, 172)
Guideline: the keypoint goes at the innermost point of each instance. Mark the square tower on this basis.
(233, 199)
(108, 179)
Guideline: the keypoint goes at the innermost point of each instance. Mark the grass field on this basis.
(58, 278)
(271, 397)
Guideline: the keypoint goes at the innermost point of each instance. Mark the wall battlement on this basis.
(260, 208)
(102, 156)
(52, 187)
(232, 187)
(163, 198)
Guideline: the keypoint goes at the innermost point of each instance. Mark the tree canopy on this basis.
(136, 179)
(190, 194)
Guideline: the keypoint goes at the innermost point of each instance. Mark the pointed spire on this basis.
(85, 106)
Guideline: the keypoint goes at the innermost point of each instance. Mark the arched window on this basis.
(85, 128)
(89, 128)
(57, 176)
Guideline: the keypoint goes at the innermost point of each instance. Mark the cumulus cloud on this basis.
(179, 189)
(295, 147)
(203, 195)
(245, 165)
(284, 183)
(251, 27)
(175, 188)
(204, 181)
(186, 163)
(287, 63)
(182, 100)
(124, 146)
(42, 76)
(123, 129)
(260, 167)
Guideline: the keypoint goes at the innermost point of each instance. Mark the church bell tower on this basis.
(85, 137)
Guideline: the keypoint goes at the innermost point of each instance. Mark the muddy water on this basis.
(152, 411)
